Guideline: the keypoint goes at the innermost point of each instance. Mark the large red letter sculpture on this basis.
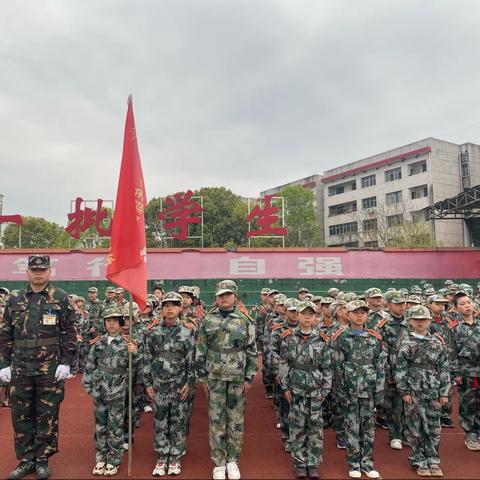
(267, 217)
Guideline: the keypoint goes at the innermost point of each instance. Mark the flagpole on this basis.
(130, 323)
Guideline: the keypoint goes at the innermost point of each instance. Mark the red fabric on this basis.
(127, 259)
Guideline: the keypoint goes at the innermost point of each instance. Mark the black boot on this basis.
(301, 472)
(313, 472)
(43, 470)
(24, 468)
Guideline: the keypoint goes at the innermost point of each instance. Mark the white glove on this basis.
(5, 375)
(62, 372)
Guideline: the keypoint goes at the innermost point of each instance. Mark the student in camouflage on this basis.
(306, 379)
(422, 375)
(270, 318)
(226, 362)
(464, 342)
(359, 362)
(169, 376)
(106, 380)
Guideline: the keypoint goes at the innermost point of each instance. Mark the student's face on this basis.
(110, 295)
(187, 300)
(38, 276)
(465, 306)
(306, 319)
(271, 300)
(358, 317)
(264, 297)
(398, 309)
(281, 310)
(112, 325)
(92, 295)
(325, 309)
(158, 293)
(419, 326)
(226, 301)
(292, 316)
(171, 310)
(375, 302)
(79, 303)
(437, 307)
(301, 295)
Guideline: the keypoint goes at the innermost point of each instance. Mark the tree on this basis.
(36, 233)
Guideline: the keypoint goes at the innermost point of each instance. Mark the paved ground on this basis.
(263, 456)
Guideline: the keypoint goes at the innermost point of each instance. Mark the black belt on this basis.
(226, 350)
(37, 342)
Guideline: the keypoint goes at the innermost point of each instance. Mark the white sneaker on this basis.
(219, 473)
(174, 468)
(279, 425)
(396, 444)
(371, 474)
(147, 409)
(159, 470)
(110, 470)
(233, 471)
(99, 468)
(355, 474)
(125, 446)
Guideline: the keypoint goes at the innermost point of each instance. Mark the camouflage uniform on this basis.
(226, 357)
(37, 334)
(81, 326)
(306, 370)
(106, 380)
(422, 371)
(168, 367)
(359, 363)
(464, 341)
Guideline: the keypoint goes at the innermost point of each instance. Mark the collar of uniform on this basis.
(46, 290)
(177, 322)
(298, 332)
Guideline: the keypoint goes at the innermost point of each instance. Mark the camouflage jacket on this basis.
(38, 332)
(374, 317)
(464, 341)
(226, 347)
(261, 312)
(82, 322)
(422, 368)
(169, 358)
(306, 364)
(279, 332)
(326, 326)
(106, 370)
(359, 362)
(93, 308)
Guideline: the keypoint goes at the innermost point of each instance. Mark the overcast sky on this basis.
(244, 94)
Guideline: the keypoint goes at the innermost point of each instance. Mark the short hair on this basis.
(457, 296)
(158, 287)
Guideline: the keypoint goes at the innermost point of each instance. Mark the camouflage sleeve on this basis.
(338, 358)
(138, 361)
(259, 326)
(401, 371)
(190, 347)
(452, 353)
(68, 334)
(251, 353)
(274, 354)
(327, 371)
(90, 366)
(284, 365)
(380, 367)
(444, 377)
(201, 353)
(147, 379)
(6, 338)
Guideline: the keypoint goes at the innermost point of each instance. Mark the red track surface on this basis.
(263, 455)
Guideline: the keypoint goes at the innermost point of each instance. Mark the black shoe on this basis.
(382, 423)
(446, 422)
(43, 470)
(23, 468)
(301, 472)
(313, 472)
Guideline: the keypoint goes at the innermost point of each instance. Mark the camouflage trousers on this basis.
(267, 375)
(337, 416)
(393, 405)
(469, 406)
(109, 430)
(190, 401)
(422, 421)
(226, 409)
(35, 403)
(282, 408)
(306, 431)
(360, 432)
(169, 419)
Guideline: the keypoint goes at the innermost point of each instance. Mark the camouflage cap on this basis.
(332, 291)
(171, 297)
(291, 304)
(429, 291)
(403, 290)
(226, 286)
(453, 287)
(273, 291)
(110, 289)
(437, 298)
(303, 289)
(309, 296)
(302, 306)
(280, 299)
(448, 283)
(416, 290)
(327, 300)
(114, 310)
(186, 289)
(196, 291)
(135, 309)
(374, 293)
(265, 291)
(119, 290)
(443, 291)
(39, 261)
(414, 299)
(340, 303)
(389, 294)
(356, 305)
(397, 297)
(5, 289)
(92, 290)
(72, 297)
(349, 296)
(317, 298)
(80, 299)
(418, 312)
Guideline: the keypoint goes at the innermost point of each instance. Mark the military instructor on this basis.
(37, 345)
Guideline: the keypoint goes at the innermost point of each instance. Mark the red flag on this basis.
(127, 259)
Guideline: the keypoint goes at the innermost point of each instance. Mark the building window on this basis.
(393, 174)
(418, 167)
(335, 190)
(342, 208)
(343, 228)
(369, 202)
(393, 197)
(370, 224)
(419, 192)
(371, 244)
(394, 220)
(369, 181)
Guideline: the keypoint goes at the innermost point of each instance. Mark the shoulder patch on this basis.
(381, 323)
(152, 324)
(93, 341)
(325, 336)
(286, 333)
(189, 325)
(452, 324)
(374, 333)
(440, 338)
(338, 333)
(276, 326)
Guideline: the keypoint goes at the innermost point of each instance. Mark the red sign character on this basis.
(181, 211)
(81, 220)
(267, 217)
